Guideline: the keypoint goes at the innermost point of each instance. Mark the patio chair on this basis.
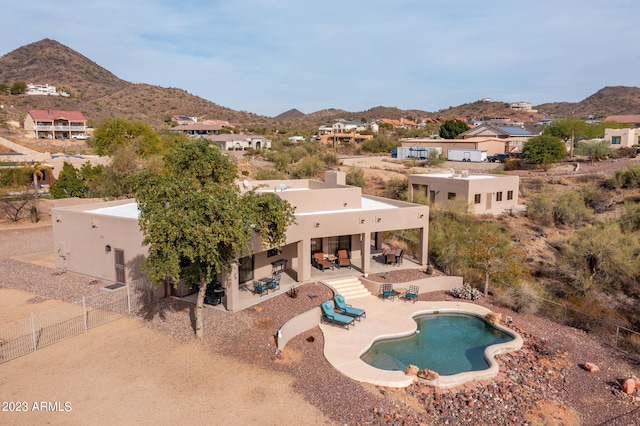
(332, 317)
(390, 258)
(343, 259)
(399, 257)
(320, 262)
(412, 293)
(260, 287)
(274, 282)
(343, 308)
(386, 291)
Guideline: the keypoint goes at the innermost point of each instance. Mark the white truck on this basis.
(471, 155)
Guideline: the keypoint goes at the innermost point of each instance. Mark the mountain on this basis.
(98, 93)
(287, 115)
(615, 100)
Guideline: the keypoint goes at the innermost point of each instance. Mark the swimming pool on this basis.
(448, 343)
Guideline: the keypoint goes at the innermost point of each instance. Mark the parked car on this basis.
(81, 137)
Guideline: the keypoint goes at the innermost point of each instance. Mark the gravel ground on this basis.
(539, 385)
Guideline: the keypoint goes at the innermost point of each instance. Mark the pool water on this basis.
(446, 343)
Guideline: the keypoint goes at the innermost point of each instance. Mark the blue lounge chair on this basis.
(332, 317)
(412, 293)
(348, 310)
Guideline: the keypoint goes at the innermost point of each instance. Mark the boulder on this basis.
(590, 367)
(428, 374)
(629, 386)
(493, 317)
(411, 370)
(637, 380)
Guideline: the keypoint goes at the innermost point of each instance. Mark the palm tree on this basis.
(37, 170)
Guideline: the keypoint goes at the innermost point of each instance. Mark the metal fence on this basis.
(45, 328)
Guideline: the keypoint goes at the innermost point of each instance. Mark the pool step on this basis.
(349, 287)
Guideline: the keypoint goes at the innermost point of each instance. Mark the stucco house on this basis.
(54, 124)
(103, 240)
(484, 193)
(619, 138)
(239, 142)
(197, 129)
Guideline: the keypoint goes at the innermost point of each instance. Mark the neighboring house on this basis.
(501, 131)
(522, 106)
(633, 119)
(491, 145)
(197, 129)
(484, 193)
(239, 142)
(619, 138)
(44, 89)
(348, 126)
(104, 241)
(55, 124)
(335, 139)
(403, 123)
(296, 139)
(182, 120)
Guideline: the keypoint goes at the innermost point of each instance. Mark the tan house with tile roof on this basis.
(54, 124)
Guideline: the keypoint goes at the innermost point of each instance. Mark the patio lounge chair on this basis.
(274, 282)
(343, 308)
(332, 317)
(412, 293)
(260, 287)
(320, 262)
(386, 291)
(343, 259)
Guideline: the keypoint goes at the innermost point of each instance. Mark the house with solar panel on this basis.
(103, 240)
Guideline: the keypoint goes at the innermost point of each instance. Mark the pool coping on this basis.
(385, 319)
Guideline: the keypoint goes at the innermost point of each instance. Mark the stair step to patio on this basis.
(349, 287)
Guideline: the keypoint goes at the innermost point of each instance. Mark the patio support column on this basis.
(304, 260)
(232, 288)
(366, 252)
(378, 240)
(423, 237)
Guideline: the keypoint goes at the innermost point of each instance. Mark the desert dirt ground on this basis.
(115, 374)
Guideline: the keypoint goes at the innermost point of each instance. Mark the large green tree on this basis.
(196, 222)
(451, 129)
(69, 183)
(544, 150)
(112, 134)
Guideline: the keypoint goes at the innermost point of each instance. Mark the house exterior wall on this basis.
(625, 137)
(80, 238)
(495, 192)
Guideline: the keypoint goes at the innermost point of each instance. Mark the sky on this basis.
(270, 56)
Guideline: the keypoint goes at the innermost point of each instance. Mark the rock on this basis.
(412, 370)
(637, 380)
(493, 317)
(629, 386)
(428, 374)
(590, 367)
(257, 309)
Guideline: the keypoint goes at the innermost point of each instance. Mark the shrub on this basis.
(355, 176)
(307, 168)
(378, 144)
(523, 298)
(570, 209)
(466, 292)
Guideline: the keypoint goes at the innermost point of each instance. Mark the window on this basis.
(273, 252)
(476, 199)
(316, 245)
(616, 140)
(245, 269)
(432, 196)
(342, 242)
(451, 196)
(499, 196)
(509, 195)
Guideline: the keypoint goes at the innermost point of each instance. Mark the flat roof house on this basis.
(54, 124)
(619, 138)
(484, 193)
(103, 240)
